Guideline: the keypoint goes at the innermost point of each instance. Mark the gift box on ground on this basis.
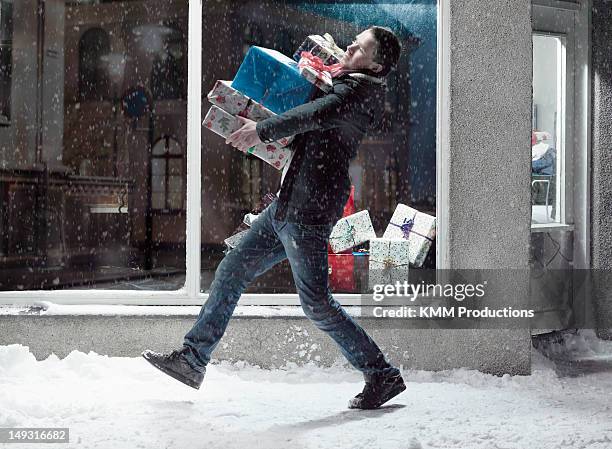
(417, 228)
(272, 79)
(322, 46)
(265, 201)
(232, 241)
(389, 261)
(248, 220)
(224, 124)
(230, 100)
(351, 231)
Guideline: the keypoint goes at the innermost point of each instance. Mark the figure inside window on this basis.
(543, 154)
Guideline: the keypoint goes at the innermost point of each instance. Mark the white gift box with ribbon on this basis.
(417, 228)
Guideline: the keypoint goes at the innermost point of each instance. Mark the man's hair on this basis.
(388, 49)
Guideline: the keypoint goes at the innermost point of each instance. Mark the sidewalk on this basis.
(125, 403)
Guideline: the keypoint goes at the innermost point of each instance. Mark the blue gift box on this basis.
(272, 79)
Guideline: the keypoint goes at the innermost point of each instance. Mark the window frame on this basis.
(575, 182)
(190, 293)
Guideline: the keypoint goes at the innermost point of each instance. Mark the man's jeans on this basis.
(268, 242)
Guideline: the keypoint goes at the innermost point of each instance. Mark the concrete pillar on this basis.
(601, 160)
(483, 198)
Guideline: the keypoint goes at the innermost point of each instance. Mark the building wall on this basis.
(601, 160)
(483, 209)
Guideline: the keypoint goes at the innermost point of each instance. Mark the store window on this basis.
(395, 164)
(103, 205)
(6, 63)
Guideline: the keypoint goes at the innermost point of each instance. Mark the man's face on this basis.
(360, 54)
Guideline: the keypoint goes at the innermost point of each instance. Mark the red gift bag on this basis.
(341, 265)
(342, 272)
(349, 207)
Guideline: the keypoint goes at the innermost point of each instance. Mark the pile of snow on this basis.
(115, 402)
(581, 345)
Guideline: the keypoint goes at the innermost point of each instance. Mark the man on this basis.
(314, 188)
(543, 155)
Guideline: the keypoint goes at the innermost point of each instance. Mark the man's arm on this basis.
(326, 112)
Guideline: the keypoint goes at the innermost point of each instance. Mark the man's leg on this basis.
(306, 248)
(258, 251)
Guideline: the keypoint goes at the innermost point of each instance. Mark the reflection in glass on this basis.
(6, 63)
(92, 192)
(395, 164)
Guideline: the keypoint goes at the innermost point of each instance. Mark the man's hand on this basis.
(245, 137)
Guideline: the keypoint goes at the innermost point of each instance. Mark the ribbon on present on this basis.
(407, 226)
(348, 234)
(388, 264)
(307, 59)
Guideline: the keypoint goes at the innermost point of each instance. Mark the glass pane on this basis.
(158, 183)
(158, 167)
(175, 184)
(395, 164)
(175, 167)
(80, 212)
(174, 147)
(548, 128)
(175, 200)
(159, 200)
(160, 147)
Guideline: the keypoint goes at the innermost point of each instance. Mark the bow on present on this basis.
(307, 59)
(407, 226)
(388, 264)
(348, 234)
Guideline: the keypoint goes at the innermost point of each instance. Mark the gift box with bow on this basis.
(322, 46)
(314, 70)
(389, 261)
(351, 231)
(417, 228)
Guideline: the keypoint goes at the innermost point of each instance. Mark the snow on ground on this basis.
(115, 402)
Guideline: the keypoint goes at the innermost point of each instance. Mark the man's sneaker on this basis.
(175, 365)
(378, 390)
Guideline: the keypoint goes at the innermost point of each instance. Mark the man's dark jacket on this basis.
(328, 131)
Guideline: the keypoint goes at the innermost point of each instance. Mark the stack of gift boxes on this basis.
(405, 243)
(269, 83)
